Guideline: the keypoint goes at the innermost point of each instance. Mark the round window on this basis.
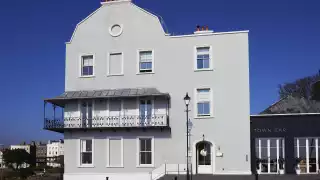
(115, 30)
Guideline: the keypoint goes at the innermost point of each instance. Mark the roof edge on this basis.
(289, 114)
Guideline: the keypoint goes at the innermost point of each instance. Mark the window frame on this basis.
(108, 152)
(80, 165)
(280, 145)
(80, 65)
(138, 61)
(122, 64)
(138, 165)
(307, 146)
(195, 105)
(195, 58)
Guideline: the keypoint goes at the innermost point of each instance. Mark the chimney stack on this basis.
(202, 30)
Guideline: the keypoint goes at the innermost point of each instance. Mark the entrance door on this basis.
(269, 151)
(86, 114)
(204, 158)
(145, 111)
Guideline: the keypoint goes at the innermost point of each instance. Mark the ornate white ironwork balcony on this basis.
(101, 122)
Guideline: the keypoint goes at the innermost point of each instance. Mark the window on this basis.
(203, 102)
(306, 152)
(145, 151)
(115, 64)
(87, 65)
(145, 61)
(269, 151)
(86, 149)
(203, 58)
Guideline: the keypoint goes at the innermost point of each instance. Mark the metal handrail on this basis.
(108, 121)
(168, 171)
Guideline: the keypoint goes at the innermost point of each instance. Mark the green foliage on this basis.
(300, 88)
(316, 91)
(15, 158)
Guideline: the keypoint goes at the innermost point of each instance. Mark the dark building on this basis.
(41, 154)
(293, 138)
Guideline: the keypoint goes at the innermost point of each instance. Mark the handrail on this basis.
(108, 121)
(165, 169)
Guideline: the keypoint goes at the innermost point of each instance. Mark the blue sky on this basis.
(284, 45)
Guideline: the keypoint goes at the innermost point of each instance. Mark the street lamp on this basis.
(187, 102)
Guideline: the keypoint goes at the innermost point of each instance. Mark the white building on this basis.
(2, 165)
(54, 150)
(124, 113)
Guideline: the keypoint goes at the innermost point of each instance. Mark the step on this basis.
(242, 177)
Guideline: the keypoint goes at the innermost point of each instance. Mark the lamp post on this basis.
(187, 102)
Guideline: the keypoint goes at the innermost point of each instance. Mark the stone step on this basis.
(242, 177)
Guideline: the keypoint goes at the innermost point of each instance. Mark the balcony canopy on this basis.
(105, 94)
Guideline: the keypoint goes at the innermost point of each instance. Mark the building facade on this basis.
(124, 113)
(41, 154)
(287, 142)
(55, 149)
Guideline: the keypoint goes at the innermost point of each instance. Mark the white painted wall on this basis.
(174, 62)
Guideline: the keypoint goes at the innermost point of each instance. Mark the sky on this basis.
(284, 45)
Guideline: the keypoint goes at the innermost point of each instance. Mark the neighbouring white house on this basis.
(54, 150)
(124, 114)
(2, 163)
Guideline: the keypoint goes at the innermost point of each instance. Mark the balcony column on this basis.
(54, 112)
(44, 111)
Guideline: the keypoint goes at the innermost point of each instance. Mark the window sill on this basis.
(114, 166)
(86, 166)
(145, 166)
(145, 73)
(93, 76)
(110, 75)
(198, 70)
(204, 117)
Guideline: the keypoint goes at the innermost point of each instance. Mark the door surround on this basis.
(194, 155)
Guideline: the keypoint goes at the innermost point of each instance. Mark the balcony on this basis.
(160, 121)
(106, 110)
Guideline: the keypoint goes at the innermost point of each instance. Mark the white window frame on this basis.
(279, 140)
(195, 104)
(80, 165)
(297, 139)
(210, 58)
(138, 152)
(108, 152)
(108, 64)
(93, 108)
(80, 65)
(138, 61)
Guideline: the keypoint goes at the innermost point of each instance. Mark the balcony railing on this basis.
(107, 122)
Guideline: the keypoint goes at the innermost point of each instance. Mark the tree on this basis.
(14, 159)
(316, 91)
(300, 88)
